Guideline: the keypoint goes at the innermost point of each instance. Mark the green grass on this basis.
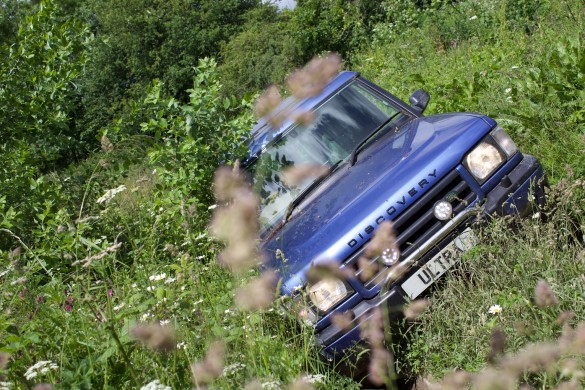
(504, 270)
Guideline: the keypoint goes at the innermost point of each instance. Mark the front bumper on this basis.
(517, 192)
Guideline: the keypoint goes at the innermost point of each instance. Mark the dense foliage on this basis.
(114, 116)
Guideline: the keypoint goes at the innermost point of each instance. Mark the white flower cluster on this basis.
(109, 195)
(315, 379)
(232, 369)
(41, 367)
(8, 269)
(6, 385)
(158, 277)
(155, 385)
(162, 276)
(273, 385)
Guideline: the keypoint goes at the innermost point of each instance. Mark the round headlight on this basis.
(327, 292)
(443, 210)
(483, 160)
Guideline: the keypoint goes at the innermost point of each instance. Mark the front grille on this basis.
(417, 224)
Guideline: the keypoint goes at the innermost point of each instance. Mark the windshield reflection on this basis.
(340, 124)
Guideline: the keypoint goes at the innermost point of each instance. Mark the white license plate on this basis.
(439, 264)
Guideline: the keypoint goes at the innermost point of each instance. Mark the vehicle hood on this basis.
(389, 175)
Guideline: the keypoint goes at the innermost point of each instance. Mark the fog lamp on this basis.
(390, 256)
(443, 210)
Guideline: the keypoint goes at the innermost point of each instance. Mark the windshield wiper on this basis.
(292, 205)
(356, 150)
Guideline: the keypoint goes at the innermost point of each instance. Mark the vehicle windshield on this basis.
(340, 124)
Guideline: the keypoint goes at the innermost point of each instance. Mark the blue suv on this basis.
(432, 176)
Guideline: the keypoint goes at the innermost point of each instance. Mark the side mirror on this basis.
(419, 100)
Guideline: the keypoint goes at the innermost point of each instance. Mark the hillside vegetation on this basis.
(115, 115)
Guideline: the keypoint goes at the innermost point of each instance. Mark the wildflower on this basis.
(106, 144)
(490, 379)
(211, 366)
(15, 254)
(300, 384)
(236, 224)
(212, 207)
(372, 328)
(508, 90)
(384, 239)
(327, 270)
(271, 385)
(155, 336)
(379, 363)
(497, 343)
(110, 194)
(343, 320)
(311, 80)
(164, 322)
(253, 385)
(88, 260)
(232, 369)
(3, 360)
(170, 280)
(564, 317)
(157, 278)
(495, 309)
(258, 294)
(269, 100)
(44, 365)
(121, 305)
(544, 295)
(303, 118)
(297, 174)
(315, 379)
(416, 308)
(367, 267)
(473, 17)
(456, 380)
(534, 358)
(155, 385)
(182, 345)
(6, 385)
(43, 386)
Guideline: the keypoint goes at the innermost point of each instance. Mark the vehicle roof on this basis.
(263, 131)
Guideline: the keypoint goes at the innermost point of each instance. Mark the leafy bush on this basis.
(139, 40)
(262, 54)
